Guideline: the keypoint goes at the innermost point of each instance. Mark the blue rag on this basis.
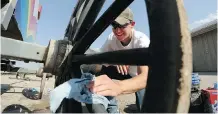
(76, 89)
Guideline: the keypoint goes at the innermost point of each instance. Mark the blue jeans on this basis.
(111, 72)
(113, 106)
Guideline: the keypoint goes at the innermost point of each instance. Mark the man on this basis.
(132, 78)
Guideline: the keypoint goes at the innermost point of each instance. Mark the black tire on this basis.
(16, 108)
(169, 81)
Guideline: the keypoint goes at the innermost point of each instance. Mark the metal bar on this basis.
(78, 6)
(18, 50)
(71, 29)
(95, 31)
(74, 20)
(164, 72)
(85, 4)
(116, 57)
(87, 18)
(78, 14)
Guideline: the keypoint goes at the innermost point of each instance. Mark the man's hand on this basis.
(103, 85)
(123, 69)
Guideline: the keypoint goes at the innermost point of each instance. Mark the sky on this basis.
(56, 14)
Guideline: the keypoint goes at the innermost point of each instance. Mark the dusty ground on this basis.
(15, 86)
(14, 94)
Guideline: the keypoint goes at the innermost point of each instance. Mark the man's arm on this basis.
(103, 85)
(136, 83)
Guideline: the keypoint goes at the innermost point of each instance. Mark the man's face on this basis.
(122, 32)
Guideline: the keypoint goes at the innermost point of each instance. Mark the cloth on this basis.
(76, 89)
(112, 73)
(139, 40)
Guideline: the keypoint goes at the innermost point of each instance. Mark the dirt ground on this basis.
(11, 92)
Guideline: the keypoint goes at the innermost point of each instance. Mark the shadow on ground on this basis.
(5, 88)
(132, 108)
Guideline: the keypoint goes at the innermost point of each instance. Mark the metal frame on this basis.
(116, 57)
(74, 20)
(19, 50)
(87, 18)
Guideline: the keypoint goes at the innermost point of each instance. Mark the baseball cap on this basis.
(125, 17)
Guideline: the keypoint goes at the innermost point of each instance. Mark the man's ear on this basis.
(133, 23)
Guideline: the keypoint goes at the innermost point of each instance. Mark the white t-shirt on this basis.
(139, 40)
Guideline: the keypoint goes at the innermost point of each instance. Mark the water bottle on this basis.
(195, 81)
(215, 86)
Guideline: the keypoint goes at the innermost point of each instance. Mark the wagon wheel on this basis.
(169, 56)
(169, 83)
